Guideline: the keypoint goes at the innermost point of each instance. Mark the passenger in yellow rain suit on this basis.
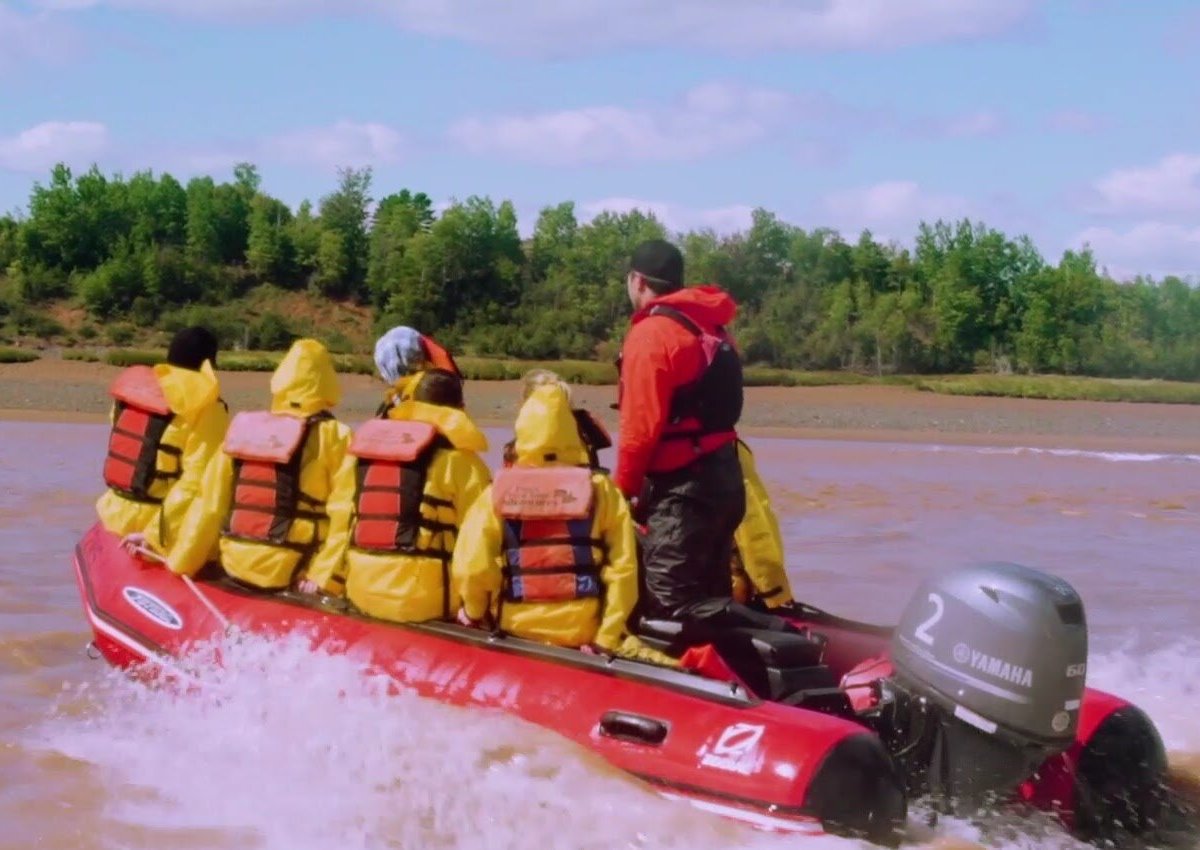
(278, 495)
(592, 432)
(167, 422)
(759, 574)
(418, 471)
(548, 550)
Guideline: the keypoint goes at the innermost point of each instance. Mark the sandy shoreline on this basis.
(67, 391)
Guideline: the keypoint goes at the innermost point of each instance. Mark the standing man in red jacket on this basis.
(680, 398)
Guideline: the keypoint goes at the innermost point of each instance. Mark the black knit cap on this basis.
(192, 346)
(660, 262)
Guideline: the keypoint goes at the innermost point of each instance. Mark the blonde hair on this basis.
(535, 378)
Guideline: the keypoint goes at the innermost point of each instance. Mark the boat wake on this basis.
(1111, 457)
(282, 747)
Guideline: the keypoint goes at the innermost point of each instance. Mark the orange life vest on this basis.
(141, 419)
(549, 551)
(439, 357)
(393, 463)
(267, 450)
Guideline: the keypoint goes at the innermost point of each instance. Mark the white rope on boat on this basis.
(151, 555)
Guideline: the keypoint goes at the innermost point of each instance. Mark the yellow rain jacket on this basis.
(303, 385)
(190, 439)
(547, 435)
(758, 568)
(411, 587)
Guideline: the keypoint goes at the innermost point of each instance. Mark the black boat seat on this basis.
(775, 648)
(775, 664)
(787, 649)
(664, 635)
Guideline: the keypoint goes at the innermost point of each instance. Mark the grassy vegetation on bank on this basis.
(1053, 387)
(1064, 388)
(497, 369)
(473, 368)
(17, 355)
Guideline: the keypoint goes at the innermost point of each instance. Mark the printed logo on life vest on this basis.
(535, 498)
(993, 666)
(736, 750)
(152, 608)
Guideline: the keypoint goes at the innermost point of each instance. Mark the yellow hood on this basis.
(452, 423)
(404, 386)
(546, 430)
(188, 392)
(305, 382)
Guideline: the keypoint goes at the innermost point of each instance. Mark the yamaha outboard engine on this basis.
(990, 664)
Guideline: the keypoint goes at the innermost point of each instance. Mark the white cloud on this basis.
(675, 217)
(1152, 247)
(39, 36)
(1075, 121)
(706, 120)
(890, 210)
(1169, 187)
(344, 143)
(975, 125)
(713, 24)
(40, 147)
(567, 27)
(219, 9)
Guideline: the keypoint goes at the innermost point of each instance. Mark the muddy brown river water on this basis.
(295, 751)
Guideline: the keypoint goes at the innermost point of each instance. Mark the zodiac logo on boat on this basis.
(152, 608)
(736, 750)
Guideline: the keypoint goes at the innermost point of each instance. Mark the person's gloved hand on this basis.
(464, 620)
(132, 542)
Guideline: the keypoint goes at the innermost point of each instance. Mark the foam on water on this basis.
(1112, 457)
(290, 749)
(1165, 683)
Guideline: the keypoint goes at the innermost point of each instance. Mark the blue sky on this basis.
(1072, 121)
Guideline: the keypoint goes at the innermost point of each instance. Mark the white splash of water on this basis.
(292, 749)
(1164, 682)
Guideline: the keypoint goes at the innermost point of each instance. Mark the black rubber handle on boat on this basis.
(633, 727)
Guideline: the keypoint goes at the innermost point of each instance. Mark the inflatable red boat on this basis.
(977, 694)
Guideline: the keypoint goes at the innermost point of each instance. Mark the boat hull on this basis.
(775, 767)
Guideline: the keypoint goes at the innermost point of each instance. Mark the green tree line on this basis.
(964, 297)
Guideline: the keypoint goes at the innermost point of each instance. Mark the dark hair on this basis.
(660, 263)
(438, 386)
(190, 347)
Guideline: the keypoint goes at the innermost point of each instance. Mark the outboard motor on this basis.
(990, 665)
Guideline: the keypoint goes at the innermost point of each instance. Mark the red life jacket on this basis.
(267, 450)
(141, 419)
(714, 399)
(549, 551)
(393, 463)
